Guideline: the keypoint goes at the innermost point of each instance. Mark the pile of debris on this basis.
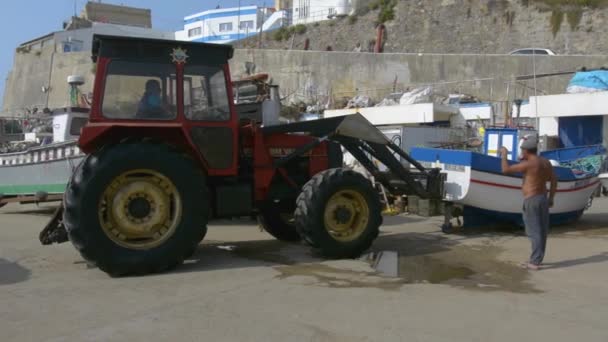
(413, 96)
(17, 146)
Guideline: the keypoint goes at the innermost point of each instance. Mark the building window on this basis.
(73, 46)
(197, 31)
(246, 25)
(304, 9)
(225, 27)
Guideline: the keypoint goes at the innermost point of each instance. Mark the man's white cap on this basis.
(530, 142)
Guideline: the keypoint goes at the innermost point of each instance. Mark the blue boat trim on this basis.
(573, 153)
(225, 14)
(479, 162)
(225, 37)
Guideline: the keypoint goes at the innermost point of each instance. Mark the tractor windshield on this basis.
(136, 90)
(205, 95)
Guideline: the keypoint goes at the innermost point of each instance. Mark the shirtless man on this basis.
(537, 173)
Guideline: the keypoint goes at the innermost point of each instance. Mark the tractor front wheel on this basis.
(136, 208)
(339, 213)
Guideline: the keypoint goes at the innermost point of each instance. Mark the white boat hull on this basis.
(604, 179)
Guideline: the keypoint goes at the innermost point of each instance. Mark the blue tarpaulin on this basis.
(581, 131)
(593, 80)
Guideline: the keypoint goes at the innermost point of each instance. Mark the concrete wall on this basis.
(322, 77)
(48, 66)
(31, 71)
(64, 65)
(312, 76)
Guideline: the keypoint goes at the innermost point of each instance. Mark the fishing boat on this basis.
(476, 183)
(41, 173)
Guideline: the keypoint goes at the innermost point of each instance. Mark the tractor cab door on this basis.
(210, 119)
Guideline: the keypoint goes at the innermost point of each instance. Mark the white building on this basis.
(310, 11)
(229, 24)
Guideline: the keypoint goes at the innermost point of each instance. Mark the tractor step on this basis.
(54, 232)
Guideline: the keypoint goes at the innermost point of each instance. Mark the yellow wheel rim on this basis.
(140, 209)
(346, 215)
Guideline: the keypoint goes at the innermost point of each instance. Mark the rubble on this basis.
(359, 101)
(418, 95)
(17, 146)
(387, 102)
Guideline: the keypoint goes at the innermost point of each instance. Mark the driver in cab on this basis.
(151, 105)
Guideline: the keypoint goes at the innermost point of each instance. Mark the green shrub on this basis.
(300, 29)
(281, 34)
(386, 14)
(387, 9)
(352, 19)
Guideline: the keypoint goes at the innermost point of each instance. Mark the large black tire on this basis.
(310, 212)
(88, 183)
(273, 220)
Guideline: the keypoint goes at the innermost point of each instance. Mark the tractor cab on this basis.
(143, 85)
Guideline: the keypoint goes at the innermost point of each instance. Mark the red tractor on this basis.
(167, 150)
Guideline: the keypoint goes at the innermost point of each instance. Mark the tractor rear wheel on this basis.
(277, 219)
(136, 208)
(339, 213)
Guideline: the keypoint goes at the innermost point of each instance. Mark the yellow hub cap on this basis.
(346, 215)
(140, 209)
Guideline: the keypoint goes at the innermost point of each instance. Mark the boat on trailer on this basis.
(41, 173)
(476, 183)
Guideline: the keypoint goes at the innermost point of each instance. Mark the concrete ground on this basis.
(243, 286)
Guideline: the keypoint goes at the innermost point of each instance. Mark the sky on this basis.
(24, 20)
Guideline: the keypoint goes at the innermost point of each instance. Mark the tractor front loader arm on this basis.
(364, 141)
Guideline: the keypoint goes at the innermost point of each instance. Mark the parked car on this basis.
(533, 51)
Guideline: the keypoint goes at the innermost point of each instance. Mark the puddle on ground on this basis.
(470, 267)
(426, 269)
(424, 259)
(328, 276)
(416, 258)
(12, 272)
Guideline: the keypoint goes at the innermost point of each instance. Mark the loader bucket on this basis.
(363, 140)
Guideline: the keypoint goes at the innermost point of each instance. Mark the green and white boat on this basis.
(41, 173)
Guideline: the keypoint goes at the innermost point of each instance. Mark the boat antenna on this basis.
(535, 90)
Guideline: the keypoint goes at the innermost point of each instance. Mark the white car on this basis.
(533, 51)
